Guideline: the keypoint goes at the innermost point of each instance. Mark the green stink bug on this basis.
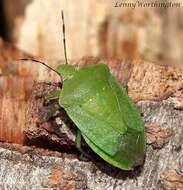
(106, 117)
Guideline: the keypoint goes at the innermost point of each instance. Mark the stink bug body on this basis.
(105, 115)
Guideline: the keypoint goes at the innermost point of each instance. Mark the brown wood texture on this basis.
(31, 168)
(15, 84)
(157, 91)
(146, 81)
(98, 28)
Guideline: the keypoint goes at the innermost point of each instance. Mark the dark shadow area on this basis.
(3, 33)
(116, 172)
(49, 145)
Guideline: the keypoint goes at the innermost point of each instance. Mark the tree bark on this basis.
(158, 92)
(29, 169)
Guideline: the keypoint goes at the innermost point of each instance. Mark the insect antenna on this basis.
(64, 39)
(65, 51)
(25, 59)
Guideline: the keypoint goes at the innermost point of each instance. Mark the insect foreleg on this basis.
(125, 87)
(52, 96)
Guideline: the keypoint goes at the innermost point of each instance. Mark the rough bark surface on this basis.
(15, 87)
(158, 90)
(45, 122)
(29, 168)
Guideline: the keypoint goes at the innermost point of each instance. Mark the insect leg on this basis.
(78, 144)
(52, 96)
(78, 141)
(125, 87)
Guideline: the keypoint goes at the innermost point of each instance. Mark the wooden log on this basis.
(158, 83)
(156, 89)
(146, 81)
(30, 168)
